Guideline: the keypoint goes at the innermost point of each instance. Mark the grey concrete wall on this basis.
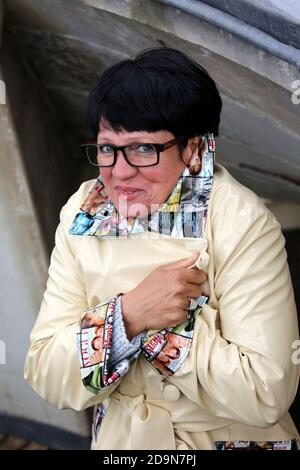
(23, 274)
(279, 18)
(259, 133)
(46, 148)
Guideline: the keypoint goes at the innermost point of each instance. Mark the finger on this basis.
(183, 263)
(193, 292)
(195, 276)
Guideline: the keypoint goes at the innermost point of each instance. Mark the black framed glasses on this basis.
(137, 155)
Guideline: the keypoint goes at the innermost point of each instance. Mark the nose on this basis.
(122, 169)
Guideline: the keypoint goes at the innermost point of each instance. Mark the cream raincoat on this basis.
(238, 380)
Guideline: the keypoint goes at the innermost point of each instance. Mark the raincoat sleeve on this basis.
(244, 343)
(105, 354)
(121, 347)
(52, 364)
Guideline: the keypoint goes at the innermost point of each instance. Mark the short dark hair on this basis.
(93, 343)
(160, 89)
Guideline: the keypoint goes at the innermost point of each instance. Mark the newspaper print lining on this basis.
(257, 445)
(167, 349)
(94, 345)
(99, 413)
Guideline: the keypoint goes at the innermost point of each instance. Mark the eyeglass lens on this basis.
(137, 155)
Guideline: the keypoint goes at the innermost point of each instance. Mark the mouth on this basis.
(130, 193)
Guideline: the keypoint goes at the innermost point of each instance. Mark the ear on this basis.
(190, 149)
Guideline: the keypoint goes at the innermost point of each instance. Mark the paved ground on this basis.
(16, 443)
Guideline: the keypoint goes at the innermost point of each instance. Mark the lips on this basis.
(125, 189)
(128, 193)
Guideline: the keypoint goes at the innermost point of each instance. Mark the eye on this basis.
(105, 148)
(145, 148)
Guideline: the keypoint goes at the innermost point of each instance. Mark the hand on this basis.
(161, 299)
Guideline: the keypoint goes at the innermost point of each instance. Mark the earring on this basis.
(194, 164)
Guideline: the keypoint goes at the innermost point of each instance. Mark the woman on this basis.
(185, 269)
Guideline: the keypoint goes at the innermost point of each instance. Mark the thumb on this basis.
(183, 263)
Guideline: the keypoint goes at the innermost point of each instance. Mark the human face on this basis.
(172, 352)
(99, 331)
(97, 343)
(152, 185)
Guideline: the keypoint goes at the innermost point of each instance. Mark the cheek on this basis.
(154, 177)
(165, 179)
(158, 184)
(106, 175)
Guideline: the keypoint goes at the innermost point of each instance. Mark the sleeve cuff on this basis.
(121, 346)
